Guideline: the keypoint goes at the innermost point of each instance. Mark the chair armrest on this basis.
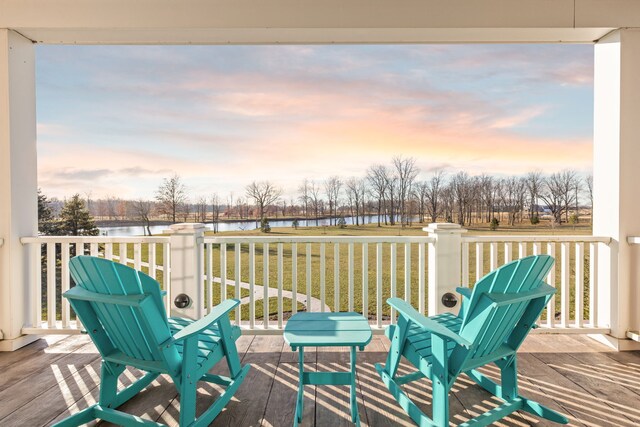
(425, 323)
(500, 299)
(79, 293)
(465, 292)
(199, 325)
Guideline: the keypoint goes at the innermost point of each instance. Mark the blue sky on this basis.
(116, 120)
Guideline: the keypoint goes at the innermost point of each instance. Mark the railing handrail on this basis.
(94, 239)
(318, 239)
(543, 238)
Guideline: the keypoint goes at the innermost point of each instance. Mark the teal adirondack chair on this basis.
(494, 319)
(122, 310)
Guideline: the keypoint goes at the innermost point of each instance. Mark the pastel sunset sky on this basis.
(116, 120)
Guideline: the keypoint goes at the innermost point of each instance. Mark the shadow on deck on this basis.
(53, 377)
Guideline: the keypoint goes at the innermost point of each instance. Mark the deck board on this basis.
(56, 376)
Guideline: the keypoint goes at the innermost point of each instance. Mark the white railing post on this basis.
(445, 262)
(187, 268)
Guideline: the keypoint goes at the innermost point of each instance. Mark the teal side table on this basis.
(327, 330)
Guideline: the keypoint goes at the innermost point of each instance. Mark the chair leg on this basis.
(440, 380)
(109, 374)
(509, 379)
(188, 389)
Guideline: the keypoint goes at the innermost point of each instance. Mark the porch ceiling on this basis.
(311, 21)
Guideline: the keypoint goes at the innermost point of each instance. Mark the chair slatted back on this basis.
(488, 326)
(135, 331)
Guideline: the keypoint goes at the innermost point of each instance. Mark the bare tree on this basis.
(487, 196)
(556, 194)
(303, 190)
(460, 188)
(378, 177)
(332, 188)
(142, 210)
(314, 199)
(512, 195)
(215, 211)
(171, 195)
(201, 209)
(353, 187)
(421, 194)
(434, 194)
(263, 193)
(407, 172)
(534, 181)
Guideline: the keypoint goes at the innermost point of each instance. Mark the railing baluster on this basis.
(65, 309)
(493, 255)
(93, 249)
(336, 277)
(522, 249)
(551, 280)
(365, 280)
(252, 282)
(593, 284)
(36, 265)
(108, 251)
(479, 261)
(294, 277)
(280, 283)
(151, 258)
(379, 285)
(508, 255)
(407, 272)
(237, 274)
(564, 277)
(322, 277)
(308, 276)
(137, 255)
(122, 253)
(265, 285)
(421, 281)
(393, 278)
(579, 285)
(223, 271)
(51, 284)
(350, 276)
(536, 248)
(465, 264)
(209, 268)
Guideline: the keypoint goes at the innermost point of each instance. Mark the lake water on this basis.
(138, 230)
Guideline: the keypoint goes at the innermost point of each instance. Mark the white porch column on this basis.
(445, 258)
(616, 174)
(187, 268)
(18, 182)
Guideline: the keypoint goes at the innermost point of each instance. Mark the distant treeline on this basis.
(392, 191)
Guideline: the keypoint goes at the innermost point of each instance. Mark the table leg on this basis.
(354, 403)
(300, 400)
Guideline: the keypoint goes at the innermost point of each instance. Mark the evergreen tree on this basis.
(46, 220)
(75, 219)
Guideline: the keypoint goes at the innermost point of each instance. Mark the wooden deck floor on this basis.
(56, 376)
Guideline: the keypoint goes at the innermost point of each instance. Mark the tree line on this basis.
(393, 192)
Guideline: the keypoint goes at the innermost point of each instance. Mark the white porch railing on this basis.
(278, 276)
(49, 260)
(320, 273)
(574, 306)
